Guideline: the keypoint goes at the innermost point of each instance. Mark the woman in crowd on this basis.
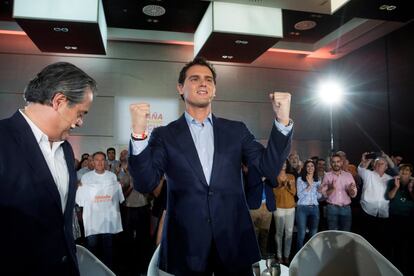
(285, 213)
(307, 212)
(401, 211)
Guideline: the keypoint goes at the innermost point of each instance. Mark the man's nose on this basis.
(203, 82)
(78, 123)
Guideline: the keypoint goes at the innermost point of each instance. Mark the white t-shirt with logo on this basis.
(100, 196)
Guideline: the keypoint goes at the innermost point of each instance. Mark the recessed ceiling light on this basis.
(153, 10)
(152, 20)
(60, 29)
(314, 15)
(71, 47)
(387, 7)
(243, 42)
(294, 33)
(227, 57)
(305, 25)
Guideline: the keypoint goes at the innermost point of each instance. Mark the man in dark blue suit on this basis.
(207, 227)
(37, 174)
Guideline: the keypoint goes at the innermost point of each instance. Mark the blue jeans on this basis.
(306, 216)
(339, 218)
(101, 246)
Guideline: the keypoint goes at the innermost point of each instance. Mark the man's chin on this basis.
(200, 104)
(64, 135)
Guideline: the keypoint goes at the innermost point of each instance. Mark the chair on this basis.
(340, 253)
(152, 267)
(89, 264)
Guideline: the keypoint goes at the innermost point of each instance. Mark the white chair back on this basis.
(90, 265)
(340, 253)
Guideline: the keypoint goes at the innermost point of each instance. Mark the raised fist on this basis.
(281, 106)
(139, 117)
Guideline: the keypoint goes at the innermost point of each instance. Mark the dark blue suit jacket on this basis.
(198, 213)
(254, 189)
(35, 236)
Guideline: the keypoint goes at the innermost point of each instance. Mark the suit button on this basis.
(209, 220)
(210, 193)
(64, 259)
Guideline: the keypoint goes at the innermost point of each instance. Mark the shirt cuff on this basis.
(285, 130)
(138, 146)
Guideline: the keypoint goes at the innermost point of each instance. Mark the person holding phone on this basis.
(373, 202)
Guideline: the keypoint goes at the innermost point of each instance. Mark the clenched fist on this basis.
(281, 106)
(139, 117)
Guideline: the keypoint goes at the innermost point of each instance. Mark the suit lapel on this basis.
(34, 157)
(217, 146)
(72, 177)
(185, 142)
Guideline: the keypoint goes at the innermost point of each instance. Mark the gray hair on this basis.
(60, 77)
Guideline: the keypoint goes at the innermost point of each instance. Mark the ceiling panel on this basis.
(179, 16)
(355, 24)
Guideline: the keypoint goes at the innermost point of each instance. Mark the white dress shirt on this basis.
(55, 159)
(373, 200)
(139, 146)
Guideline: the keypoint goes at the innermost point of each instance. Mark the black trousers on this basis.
(375, 231)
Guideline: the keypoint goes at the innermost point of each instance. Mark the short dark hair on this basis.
(336, 155)
(196, 61)
(406, 165)
(59, 77)
(97, 153)
(85, 155)
(108, 149)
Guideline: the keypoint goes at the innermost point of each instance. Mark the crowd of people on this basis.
(204, 227)
(113, 220)
(374, 199)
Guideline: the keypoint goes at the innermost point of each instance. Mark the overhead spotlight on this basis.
(330, 92)
(153, 10)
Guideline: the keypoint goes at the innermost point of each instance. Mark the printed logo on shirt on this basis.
(102, 198)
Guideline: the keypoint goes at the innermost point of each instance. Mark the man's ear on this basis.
(57, 100)
(180, 89)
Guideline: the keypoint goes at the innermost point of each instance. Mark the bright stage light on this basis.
(330, 92)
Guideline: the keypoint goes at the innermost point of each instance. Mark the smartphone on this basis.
(372, 155)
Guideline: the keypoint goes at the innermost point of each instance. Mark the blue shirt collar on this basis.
(191, 120)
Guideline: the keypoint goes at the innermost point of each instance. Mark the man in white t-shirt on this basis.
(373, 202)
(100, 195)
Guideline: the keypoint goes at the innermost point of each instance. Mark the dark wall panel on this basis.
(378, 111)
(401, 85)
